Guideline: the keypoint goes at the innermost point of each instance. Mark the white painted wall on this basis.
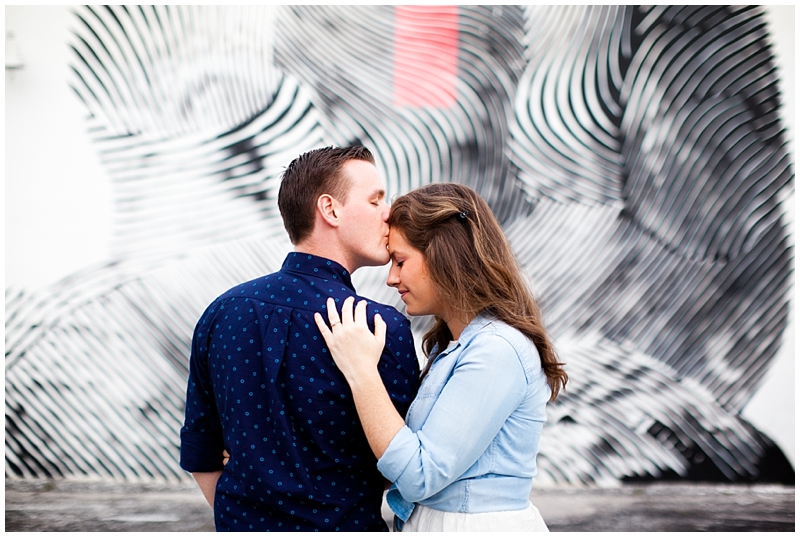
(58, 198)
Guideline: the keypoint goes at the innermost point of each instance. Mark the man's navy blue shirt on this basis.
(263, 385)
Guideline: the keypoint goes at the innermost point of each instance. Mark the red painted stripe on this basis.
(425, 55)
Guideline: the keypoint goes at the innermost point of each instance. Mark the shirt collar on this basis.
(319, 267)
(480, 320)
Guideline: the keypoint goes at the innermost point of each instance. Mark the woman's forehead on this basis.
(397, 240)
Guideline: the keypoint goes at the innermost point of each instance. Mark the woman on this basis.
(465, 457)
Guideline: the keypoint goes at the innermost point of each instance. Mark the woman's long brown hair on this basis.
(471, 262)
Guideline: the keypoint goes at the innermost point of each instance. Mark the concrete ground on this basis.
(103, 506)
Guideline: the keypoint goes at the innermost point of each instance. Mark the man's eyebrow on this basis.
(380, 193)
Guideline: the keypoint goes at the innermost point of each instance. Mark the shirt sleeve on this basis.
(487, 385)
(201, 434)
(399, 367)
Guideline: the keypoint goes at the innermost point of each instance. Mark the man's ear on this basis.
(328, 209)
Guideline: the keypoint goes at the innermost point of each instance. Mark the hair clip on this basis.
(463, 215)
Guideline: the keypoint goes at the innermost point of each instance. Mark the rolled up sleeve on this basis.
(399, 454)
(200, 452)
(201, 434)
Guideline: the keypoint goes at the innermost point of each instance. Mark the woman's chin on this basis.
(412, 312)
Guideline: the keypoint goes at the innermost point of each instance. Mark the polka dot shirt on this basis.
(263, 386)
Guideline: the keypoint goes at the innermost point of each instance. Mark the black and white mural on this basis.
(634, 155)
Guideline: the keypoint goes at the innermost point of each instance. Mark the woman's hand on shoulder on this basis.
(353, 347)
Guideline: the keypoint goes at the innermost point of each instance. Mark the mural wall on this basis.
(634, 155)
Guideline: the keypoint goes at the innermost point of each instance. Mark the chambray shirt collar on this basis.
(321, 267)
(480, 320)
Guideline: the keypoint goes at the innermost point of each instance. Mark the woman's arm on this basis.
(356, 352)
(486, 387)
(487, 384)
(379, 418)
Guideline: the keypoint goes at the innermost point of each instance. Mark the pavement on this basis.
(42, 505)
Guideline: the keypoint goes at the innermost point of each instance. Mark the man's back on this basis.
(263, 386)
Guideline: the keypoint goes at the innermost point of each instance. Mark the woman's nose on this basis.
(392, 279)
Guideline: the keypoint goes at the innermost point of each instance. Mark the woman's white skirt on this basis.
(427, 519)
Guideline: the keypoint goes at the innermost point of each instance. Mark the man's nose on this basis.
(386, 210)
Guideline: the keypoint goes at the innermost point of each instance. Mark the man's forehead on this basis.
(364, 176)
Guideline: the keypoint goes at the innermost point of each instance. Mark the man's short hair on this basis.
(308, 177)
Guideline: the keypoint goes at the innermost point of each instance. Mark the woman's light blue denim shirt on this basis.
(472, 433)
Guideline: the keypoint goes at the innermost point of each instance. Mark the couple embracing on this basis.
(315, 393)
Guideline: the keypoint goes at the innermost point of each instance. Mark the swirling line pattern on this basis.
(195, 186)
(636, 388)
(352, 73)
(634, 155)
(691, 149)
(565, 137)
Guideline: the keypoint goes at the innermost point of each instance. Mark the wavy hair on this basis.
(472, 265)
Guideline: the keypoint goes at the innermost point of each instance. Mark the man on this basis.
(262, 385)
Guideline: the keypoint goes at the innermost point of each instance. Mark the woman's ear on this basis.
(328, 207)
